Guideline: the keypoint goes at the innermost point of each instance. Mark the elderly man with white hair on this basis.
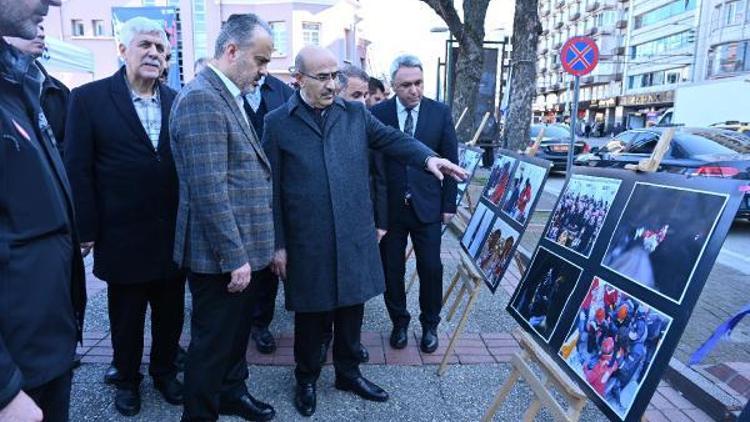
(124, 182)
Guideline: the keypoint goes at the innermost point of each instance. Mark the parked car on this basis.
(555, 143)
(733, 125)
(706, 152)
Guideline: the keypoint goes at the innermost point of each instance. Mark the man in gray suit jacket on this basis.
(318, 146)
(224, 234)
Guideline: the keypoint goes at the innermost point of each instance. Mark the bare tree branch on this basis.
(445, 9)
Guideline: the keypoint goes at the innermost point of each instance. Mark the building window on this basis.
(98, 27)
(200, 37)
(730, 58)
(661, 46)
(734, 12)
(311, 33)
(278, 30)
(77, 29)
(664, 12)
(715, 17)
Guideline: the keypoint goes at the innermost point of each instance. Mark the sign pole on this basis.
(573, 124)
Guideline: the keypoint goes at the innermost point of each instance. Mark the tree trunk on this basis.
(526, 28)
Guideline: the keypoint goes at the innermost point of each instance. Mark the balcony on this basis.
(541, 90)
(543, 51)
(554, 87)
(593, 6)
(545, 32)
(555, 66)
(559, 24)
(592, 31)
(543, 70)
(605, 30)
(559, 4)
(557, 46)
(621, 24)
(619, 51)
(575, 16)
(544, 13)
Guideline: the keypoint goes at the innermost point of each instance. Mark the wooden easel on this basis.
(531, 353)
(551, 376)
(410, 248)
(461, 118)
(472, 284)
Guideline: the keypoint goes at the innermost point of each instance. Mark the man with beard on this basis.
(43, 291)
(318, 146)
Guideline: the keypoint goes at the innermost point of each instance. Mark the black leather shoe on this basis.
(305, 399)
(248, 408)
(363, 355)
(429, 340)
(399, 338)
(112, 376)
(128, 401)
(362, 387)
(264, 341)
(180, 359)
(170, 388)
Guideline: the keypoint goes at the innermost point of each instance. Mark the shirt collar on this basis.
(234, 90)
(400, 108)
(137, 97)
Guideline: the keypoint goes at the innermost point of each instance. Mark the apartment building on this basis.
(295, 23)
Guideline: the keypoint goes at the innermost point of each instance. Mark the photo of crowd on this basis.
(476, 229)
(613, 342)
(523, 189)
(468, 159)
(581, 212)
(545, 291)
(661, 236)
(499, 180)
(496, 252)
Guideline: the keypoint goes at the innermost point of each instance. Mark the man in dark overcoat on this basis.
(318, 147)
(124, 183)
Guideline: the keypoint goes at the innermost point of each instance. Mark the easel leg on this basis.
(459, 330)
(500, 396)
(451, 287)
(413, 279)
(532, 411)
(454, 307)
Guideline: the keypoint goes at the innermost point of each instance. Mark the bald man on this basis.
(326, 241)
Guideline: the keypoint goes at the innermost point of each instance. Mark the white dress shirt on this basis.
(234, 90)
(401, 113)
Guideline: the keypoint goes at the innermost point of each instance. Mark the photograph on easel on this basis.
(612, 344)
(499, 179)
(544, 291)
(581, 212)
(661, 236)
(494, 257)
(468, 158)
(477, 229)
(524, 187)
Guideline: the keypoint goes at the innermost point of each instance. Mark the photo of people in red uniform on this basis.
(523, 190)
(613, 342)
(499, 180)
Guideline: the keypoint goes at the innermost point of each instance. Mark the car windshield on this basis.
(549, 131)
(713, 141)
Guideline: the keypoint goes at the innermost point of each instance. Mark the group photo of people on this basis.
(222, 188)
(613, 342)
(499, 180)
(661, 236)
(526, 185)
(495, 255)
(581, 212)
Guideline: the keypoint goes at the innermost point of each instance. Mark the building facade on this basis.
(295, 23)
(723, 47)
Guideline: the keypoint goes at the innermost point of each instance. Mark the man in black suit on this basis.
(418, 203)
(41, 271)
(268, 96)
(125, 185)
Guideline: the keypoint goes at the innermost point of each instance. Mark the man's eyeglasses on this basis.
(323, 77)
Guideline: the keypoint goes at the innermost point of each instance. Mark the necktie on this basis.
(409, 123)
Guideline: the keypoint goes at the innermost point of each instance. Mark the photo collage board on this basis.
(620, 265)
(468, 159)
(503, 212)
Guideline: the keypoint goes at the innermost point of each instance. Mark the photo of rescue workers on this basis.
(544, 291)
(661, 236)
(613, 343)
(524, 187)
(581, 212)
(499, 180)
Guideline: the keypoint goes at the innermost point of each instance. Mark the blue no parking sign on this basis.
(579, 55)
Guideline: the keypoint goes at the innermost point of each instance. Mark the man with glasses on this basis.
(326, 243)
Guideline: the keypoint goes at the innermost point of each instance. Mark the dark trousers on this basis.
(266, 286)
(216, 368)
(127, 316)
(426, 239)
(309, 331)
(53, 398)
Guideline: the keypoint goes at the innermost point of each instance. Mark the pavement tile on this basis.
(698, 415)
(377, 355)
(739, 384)
(283, 360)
(655, 416)
(677, 399)
(502, 351)
(675, 415)
(96, 359)
(473, 351)
(721, 371)
(285, 340)
(407, 356)
(100, 351)
(371, 338)
(474, 359)
(285, 351)
(504, 342)
(437, 359)
(660, 402)
(743, 368)
(465, 342)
